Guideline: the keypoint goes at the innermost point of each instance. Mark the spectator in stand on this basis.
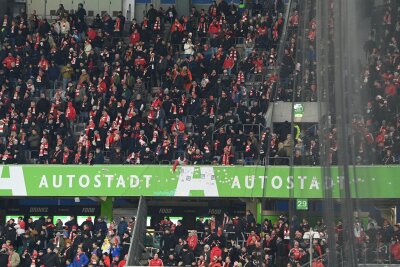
(156, 261)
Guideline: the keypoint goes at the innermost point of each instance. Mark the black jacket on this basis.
(50, 260)
(187, 257)
(167, 242)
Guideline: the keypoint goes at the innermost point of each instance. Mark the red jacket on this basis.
(176, 26)
(134, 38)
(8, 61)
(180, 127)
(92, 34)
(157, 262)
(228, 63)
(107, 261)
(215, 251)
(192, 242)
(122, 263)
(214, 28)
(390, 89)
(70, 112)
(140, 61)
(102, 87)
(248, 242)
(395, 250)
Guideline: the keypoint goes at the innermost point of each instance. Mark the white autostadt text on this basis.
(96, 181)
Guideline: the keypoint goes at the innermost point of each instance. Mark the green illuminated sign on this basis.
(301, 204)
(199, 181)
(298, 110)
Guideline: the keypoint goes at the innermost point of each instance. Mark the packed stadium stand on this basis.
(45, 243)
(197, 85)
(188, 89)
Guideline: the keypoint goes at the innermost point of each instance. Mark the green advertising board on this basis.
(207, 181)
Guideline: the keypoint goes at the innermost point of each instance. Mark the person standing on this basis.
(81, 13)
(80, 259)
(13, 258)
(156, 261)
(122, 227)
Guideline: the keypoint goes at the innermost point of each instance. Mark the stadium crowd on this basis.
(87, 93)
(217, 241)
(28, 243)
(236, 241)
(379, 141)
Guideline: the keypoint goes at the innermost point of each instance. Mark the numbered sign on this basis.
(302, 204)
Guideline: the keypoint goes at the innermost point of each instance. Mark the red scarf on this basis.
(109, 141)
(157, 26)
(65, 161)
(216, 145)
(248, 148)
(77, 157)
(240, 78)
(155, 136)
(103, 120)
(202, 27)
(33, 261)
(27, 119)
(233, 55)
(226, 156)
(44, 149)
(66, 250)
(117, 25)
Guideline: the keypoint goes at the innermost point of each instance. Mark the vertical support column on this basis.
(106, 208)
(259, 211)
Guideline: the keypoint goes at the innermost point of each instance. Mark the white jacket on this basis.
(188, 47)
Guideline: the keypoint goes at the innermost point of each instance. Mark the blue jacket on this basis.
(116, 251)
(83, 260)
